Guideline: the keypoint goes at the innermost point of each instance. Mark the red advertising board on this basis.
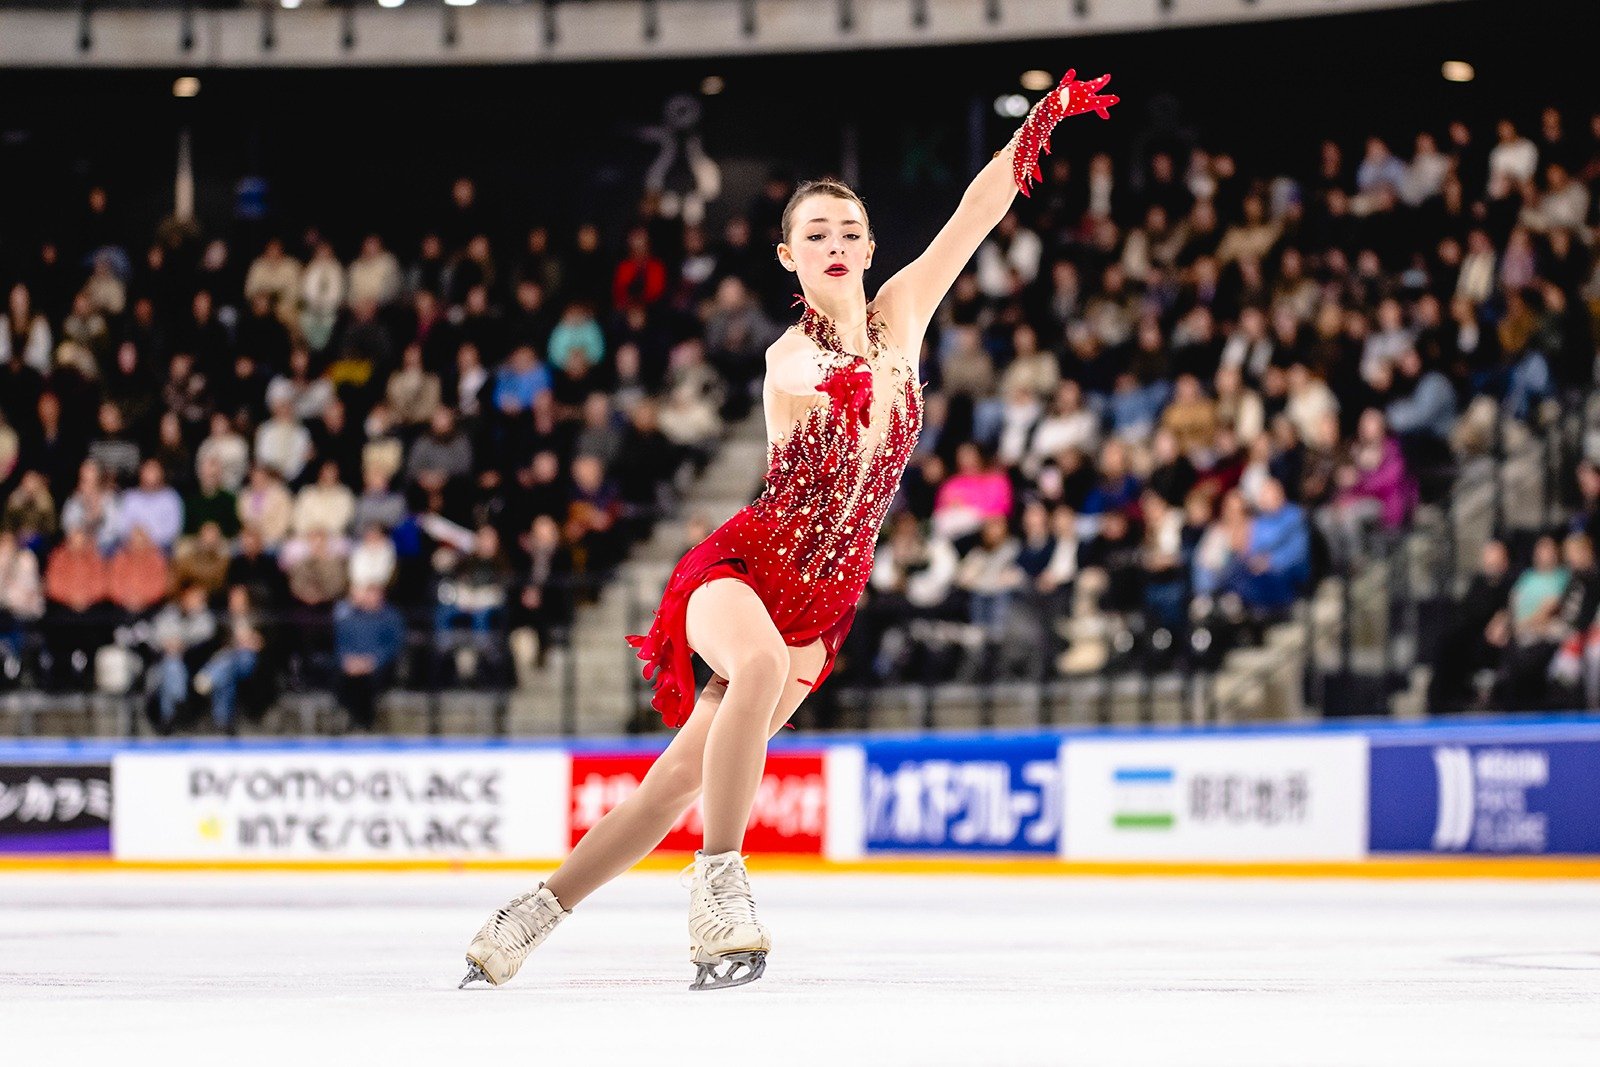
(789, 815)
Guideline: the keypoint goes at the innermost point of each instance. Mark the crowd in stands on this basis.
(285, 463)
(1165, 396)
(1168, 396)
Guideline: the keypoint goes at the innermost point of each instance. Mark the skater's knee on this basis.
(674, 780)
(761, 669)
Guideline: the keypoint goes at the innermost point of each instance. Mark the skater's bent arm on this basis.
(915, 292)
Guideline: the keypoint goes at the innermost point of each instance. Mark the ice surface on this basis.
(347, 969)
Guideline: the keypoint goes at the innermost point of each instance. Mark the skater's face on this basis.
(828, 245)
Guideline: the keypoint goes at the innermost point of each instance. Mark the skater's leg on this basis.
(730, 628)
(629, 832)
(632, 830)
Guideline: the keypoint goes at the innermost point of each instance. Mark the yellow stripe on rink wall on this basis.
(1516, 867)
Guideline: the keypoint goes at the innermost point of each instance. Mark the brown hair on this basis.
(827, 187)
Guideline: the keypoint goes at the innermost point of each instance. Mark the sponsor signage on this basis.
(790, 813)
(332, 805)
(1486, 797)
(1204, 798)
(55, 807)
(988, 796)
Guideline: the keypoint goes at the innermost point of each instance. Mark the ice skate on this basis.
(510, 934)
(723, 928)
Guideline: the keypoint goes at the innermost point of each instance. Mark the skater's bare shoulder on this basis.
(793, 365)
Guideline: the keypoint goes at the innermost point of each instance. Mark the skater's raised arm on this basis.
(912, 295)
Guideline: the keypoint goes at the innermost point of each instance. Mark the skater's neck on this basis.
(849, 314)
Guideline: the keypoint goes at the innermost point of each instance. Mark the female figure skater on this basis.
(767, 598)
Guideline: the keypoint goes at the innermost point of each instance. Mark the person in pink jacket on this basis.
(1374, 487)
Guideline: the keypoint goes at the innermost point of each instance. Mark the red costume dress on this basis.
(806, 544)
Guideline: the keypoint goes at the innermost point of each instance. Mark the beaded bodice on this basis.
(831, 478)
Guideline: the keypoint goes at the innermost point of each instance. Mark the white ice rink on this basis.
(304, 970)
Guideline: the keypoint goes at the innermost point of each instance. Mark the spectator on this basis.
(256, 570)
(1465, 646)
(413, 392)
(326, 504)
(374, 275)
(307, 395)
(369, 636)
(639, 281)
(182, 634)
(591, 518)
(519, 381)
(282, 444)
(544, 600)
(689, 416)
(228, 450)
(93, 507)
(577, 331)
(138, 577)
(276, 275)
(1513, 160)
(30, 511)
(1008, 260)
(203, 559)
(372, 561)
(1374, 488)
(115, 450)
(153, 506)
(474, 587)
(76, 586)
(322, 294)
(988, 574)
(21, 591)
(265, 506)
(1191, 416)
(211, 500)
(235, 662)
(975, 492)
(1279, 552)
(378, 504)
(442, 455)
(25, 334)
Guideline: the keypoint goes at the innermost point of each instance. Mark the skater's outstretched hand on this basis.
(1070, 97)
(1078, 98)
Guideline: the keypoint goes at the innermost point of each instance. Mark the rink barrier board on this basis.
(1375, 868)
(1274, 799)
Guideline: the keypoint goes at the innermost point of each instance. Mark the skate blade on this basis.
(743, 968)
(475, 973)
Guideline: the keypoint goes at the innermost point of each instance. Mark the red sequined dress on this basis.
(806, 544)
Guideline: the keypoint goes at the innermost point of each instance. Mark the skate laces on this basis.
(729, 886)
(523, 921)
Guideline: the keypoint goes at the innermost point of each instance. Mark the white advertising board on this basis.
(329, 805)
(1197, 798)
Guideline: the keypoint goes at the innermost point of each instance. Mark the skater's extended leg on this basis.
(629, 832)
(729, 627)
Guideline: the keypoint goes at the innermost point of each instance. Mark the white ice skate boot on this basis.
(723, 927)
(510, 934)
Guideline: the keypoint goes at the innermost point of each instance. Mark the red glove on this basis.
(1068, 98)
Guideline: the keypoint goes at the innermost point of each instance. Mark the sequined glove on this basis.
(1068, 98)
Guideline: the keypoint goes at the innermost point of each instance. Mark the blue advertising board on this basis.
(1514, 794)
(963, 796)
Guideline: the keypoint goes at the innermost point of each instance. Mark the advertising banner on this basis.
(1487, 797)
(331, 805)
(55, 807)
(963, 796)
(1217, 799)
(790, 812)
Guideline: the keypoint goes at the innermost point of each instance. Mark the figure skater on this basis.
(766, 599)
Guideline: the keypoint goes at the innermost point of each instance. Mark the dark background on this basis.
(354, 149)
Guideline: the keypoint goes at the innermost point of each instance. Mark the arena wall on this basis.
(1490, 797)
